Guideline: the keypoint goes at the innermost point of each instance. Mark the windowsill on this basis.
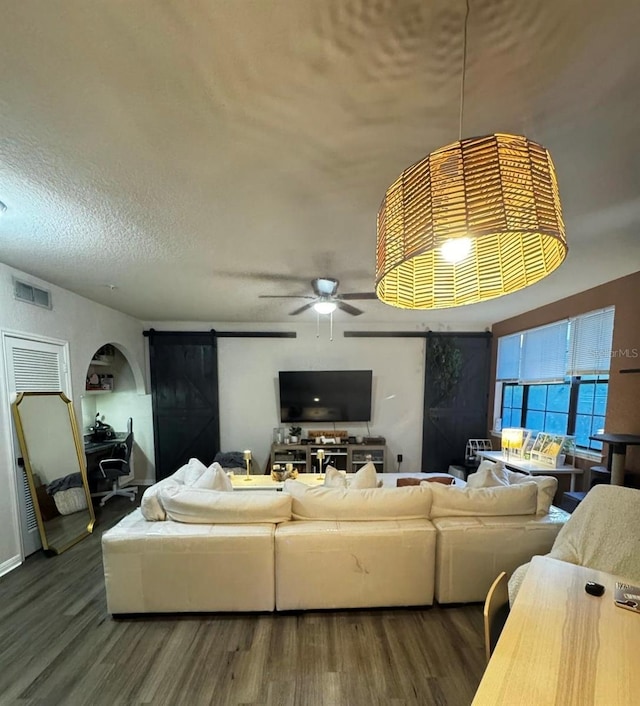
(589, 455)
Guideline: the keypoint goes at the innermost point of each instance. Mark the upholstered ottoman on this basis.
(152, 567)
(472, 551)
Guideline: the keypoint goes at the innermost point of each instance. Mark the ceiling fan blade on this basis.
(284, 296)
(301, 309)
(348, 308)
(263, 276)
(357, 295)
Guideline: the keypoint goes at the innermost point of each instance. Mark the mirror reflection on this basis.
(54, 462)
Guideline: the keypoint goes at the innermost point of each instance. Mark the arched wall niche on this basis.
(114, 358)
(114, 388)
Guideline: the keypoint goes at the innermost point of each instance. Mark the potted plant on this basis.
(294, 434)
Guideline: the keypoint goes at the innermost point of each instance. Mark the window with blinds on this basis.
(544, 354)
(509, 357)
(590, 344)
(555, 378)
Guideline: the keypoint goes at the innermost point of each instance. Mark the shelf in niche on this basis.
(98, 392)
(101, 363)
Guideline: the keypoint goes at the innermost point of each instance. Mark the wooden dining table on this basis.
(562, 646)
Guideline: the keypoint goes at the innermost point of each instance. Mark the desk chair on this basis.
(496, 611)
(114, 468)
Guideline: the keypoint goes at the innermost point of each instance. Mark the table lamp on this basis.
(247, 460)
(320, 455)
(511, 439)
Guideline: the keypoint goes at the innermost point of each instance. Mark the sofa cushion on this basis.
(321, 503)
(201, 506)
(366, 477)
(491, 474)
(547, 486)
(333, 478)
(451, 501)
(213, 478)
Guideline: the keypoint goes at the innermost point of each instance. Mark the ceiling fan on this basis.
(326, 298)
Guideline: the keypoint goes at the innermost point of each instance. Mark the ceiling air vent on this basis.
(31, 294)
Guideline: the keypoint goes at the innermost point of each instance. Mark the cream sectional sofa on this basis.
(319, 547)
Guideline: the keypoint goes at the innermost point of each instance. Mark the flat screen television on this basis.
(325, 396)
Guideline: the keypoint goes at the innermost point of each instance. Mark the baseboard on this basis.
(10, 564)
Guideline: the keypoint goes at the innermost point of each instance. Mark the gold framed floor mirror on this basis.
(55, 467)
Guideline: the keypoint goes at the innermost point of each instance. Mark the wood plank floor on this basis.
(58, 645)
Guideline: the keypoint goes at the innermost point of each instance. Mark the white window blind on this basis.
(508, 368)
(590, 345)
(544, 353)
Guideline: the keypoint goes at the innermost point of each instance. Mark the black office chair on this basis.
(114, 468)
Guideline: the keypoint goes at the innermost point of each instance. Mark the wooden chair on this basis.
(496, 611)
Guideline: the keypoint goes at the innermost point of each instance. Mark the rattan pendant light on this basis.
(472, 221)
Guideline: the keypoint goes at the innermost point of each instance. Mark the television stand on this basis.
(343, 456)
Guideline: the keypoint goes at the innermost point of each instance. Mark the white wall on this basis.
(248, 382)
(86, 326)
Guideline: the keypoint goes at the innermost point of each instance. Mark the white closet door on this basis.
(33, 366)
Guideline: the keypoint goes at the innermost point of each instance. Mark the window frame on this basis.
(575, 383)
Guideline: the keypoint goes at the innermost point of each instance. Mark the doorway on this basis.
(184, 388)
(456, 396)
(33, 365)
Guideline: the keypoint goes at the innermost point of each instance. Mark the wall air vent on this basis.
(31, 294)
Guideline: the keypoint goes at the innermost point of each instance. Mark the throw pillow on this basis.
(488, 475)
(495, 474)
(366, 477)
(195, 468)
(214, 478)
(334, 479)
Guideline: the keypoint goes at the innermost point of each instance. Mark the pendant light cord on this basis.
(464, 68)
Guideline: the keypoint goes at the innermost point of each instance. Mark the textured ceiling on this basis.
(188, 152)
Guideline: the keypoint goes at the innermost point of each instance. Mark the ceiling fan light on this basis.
(500, 191)
(325, 307)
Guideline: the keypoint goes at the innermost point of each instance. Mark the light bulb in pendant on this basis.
(455, 250)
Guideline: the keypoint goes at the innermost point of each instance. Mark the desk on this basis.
(533, 468)
(617, 453)
(562, 646)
